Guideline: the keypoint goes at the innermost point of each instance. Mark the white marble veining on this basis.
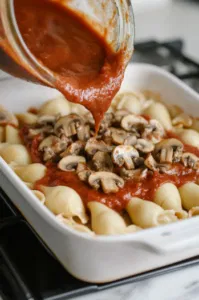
(179, 285)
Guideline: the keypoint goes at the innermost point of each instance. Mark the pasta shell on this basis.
(30, 173)
(168, 216)
(189, 193)
(104, 220)
(194, 212)
(27, 118)
(29, 185)
(195, 124)
(168, 197)
(2, 134)
(189, 137)
(181, 215)
(132, 229)
(74, 225)
(159, 112)
(58, 106)
(15, 154)
(129, 101)
(12, 135)
(40, 196)
(147, 214)
(64, 200)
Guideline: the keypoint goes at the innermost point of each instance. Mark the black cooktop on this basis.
(28, 270)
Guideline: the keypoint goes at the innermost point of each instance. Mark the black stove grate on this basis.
(28, 270)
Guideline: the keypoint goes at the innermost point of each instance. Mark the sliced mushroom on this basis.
(83, 132)
(144, 146)
(152, 165)
(106, 122)
(183, 119)
(124, 155)
(46, 120)
(48, 142)
(70, 162)
(46, 129)
(133, 123)
(131, 174)
(118, 135)
(68, 125)
(7, 117)
(131, 140)
(48, 153)
(119, 115)
(83, 172)
(169, 150)
(102, 162)
(154, 132)
(57, 144)
(61, 144)
(74, 149)
(109, 182)
(190, 160)
(93, 146)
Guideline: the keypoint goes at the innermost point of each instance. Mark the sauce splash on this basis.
(86, 69)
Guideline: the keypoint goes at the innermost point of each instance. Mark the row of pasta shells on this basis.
(169, 201)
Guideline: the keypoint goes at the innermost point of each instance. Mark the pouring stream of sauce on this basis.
(86, 69)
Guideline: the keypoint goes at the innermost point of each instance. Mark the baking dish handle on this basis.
(170, 241)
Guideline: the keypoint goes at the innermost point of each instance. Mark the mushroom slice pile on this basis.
(7, 117)
(154, 132)
(93, 146)
(169, 150)
(144, 146)
(190, 160)
(102, 162)
(133, 123)
(124, 155)
(70, 162)
(109, 182)
(68, 125)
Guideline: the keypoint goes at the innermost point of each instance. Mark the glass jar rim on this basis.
(126, 38)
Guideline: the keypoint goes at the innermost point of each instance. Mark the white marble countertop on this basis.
(180, 285)
(168, 20)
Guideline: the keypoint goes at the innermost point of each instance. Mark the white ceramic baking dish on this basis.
(102, 259)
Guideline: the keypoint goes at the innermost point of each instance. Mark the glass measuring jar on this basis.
(112, 19)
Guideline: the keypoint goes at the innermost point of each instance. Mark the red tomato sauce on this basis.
(144, 188)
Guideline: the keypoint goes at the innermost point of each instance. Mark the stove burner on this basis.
(169, 56)
(28, 270)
